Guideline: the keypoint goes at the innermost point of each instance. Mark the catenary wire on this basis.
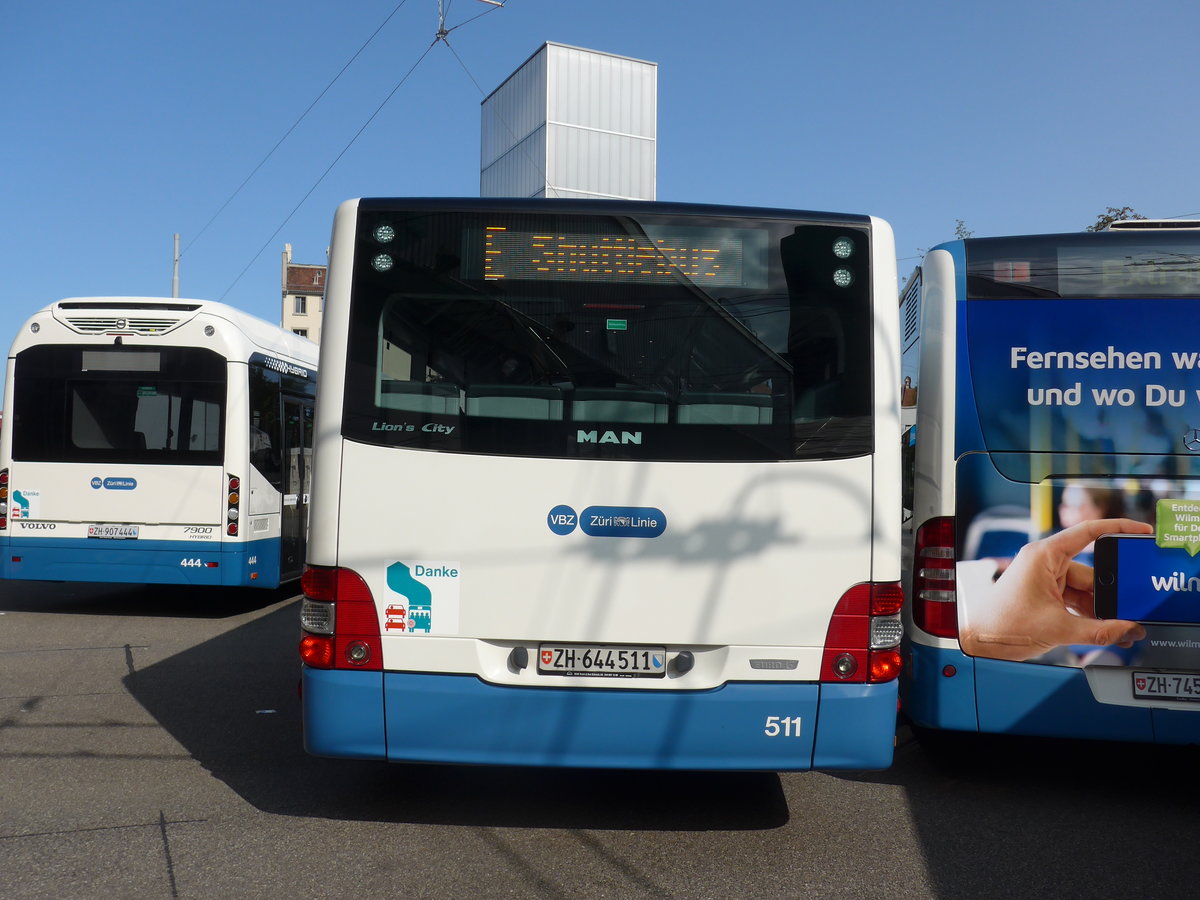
(293, 127)
(328, 169)
(440, 36)
(537, 164)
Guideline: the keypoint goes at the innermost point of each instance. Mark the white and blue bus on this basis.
(1054, 487)
(606, 484)
(155, 441)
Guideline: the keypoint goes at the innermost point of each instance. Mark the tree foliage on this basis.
(1114, 214)
(961, 231)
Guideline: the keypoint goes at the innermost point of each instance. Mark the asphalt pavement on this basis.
(150, 748)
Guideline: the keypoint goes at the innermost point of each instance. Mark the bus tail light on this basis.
(233, 502)
(862, 644)
(935, 606)
(3, 499)
(341, 625)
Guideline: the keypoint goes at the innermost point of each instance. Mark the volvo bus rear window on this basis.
(76, 404)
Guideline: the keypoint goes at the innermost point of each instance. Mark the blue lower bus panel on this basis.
(254, 563)
(462, 719)
(938, 688)
(1000, 697)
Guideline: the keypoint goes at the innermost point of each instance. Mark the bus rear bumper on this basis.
(745, 726)
(1029, 699)
(254, 563)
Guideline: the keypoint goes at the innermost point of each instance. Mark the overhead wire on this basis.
(329, 169)
(537, 164)
(440, 36)
(293, 127)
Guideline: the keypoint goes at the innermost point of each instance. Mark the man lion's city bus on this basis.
(1054, 490)
(605, 484)
(157, 441)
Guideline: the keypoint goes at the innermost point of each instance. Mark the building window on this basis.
(300, 305)
(303, 332)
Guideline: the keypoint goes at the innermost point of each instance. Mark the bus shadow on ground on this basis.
(999, 816)
(232, 703)
(153, 600)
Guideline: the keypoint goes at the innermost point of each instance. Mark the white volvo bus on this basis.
(155, 441)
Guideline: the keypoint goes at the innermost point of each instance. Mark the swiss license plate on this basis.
(1166, 686)
(602, 659)
(113, 532)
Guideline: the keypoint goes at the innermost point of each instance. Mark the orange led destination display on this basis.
(705, 256)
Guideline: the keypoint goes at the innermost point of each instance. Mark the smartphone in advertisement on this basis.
(1136, 579)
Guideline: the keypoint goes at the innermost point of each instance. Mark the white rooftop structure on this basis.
(572, 123)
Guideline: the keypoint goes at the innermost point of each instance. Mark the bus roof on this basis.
(1152, 225)
(600, 207)
(259, 331)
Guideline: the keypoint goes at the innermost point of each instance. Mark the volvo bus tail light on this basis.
(233, 503)
(341, 626)
(863, 641)
(935, 606)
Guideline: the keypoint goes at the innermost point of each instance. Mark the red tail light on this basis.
(886, 598)
(863, 635)
(316, 651)
(354, 642)
(885, 665)
(935, 606)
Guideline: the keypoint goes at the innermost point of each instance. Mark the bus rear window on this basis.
(124, 405)
(1123, 264)
(605, 336)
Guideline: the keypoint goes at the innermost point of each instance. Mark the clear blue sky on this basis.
(126, 122)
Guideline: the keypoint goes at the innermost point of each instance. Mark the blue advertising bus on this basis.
(1054, 581)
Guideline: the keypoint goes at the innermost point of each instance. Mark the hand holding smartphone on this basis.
(1135, 579)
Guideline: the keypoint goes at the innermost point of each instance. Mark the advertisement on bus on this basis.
(1079, 527)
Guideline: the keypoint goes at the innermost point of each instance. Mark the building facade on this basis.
(303, 297)
(572, 123)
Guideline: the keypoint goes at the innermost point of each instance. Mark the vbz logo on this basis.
(562, 520)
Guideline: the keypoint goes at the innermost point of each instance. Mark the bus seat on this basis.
(513, 401)
(999, 531)
(724, 409)
(606, 405)
(419, 396)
